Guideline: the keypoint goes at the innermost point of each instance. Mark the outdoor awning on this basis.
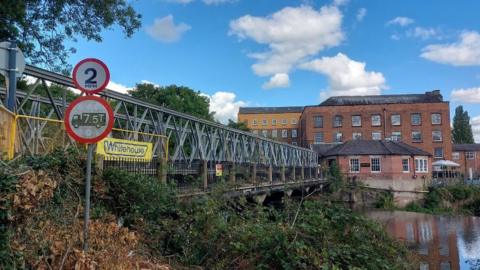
(447, 163)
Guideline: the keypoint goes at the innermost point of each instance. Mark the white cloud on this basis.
(402, 21)
(225, 106)
(218, 2)
(340, 2)
(180, 1)
(346, 76)
(149, 82)
(165, 30)
(464, 52)
(361, 13)
(423, 33)
(292, 34)
(475, 122)
(279, 80)
(467, 95)
(118, 87)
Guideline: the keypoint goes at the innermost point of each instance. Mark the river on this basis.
(441, 242)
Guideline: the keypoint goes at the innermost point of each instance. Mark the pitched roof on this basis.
(374, 147)
(257, 110)
(466, 147)
(323, 148)
(428, 97)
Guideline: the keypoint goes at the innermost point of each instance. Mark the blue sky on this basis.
(281, 53)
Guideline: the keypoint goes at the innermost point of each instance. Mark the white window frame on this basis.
(358, 164)
(394, 116)
(284, 133)
(315, 117)
(265, 133)
(359, 117)
(274, 133)
(315, 137)
(356, 135)
(294, 121)
(379, 164)
(374, 123)
(264, 122)
(284, 122)
(440, 119)
(438, 156)
(456, 155)
(274, 122)
(335, 136)
(413, 139)
(421, 164)
(470, 155)
(294, 133)
(392, 136)
(379, 133)
(419, 121)
(337, 121)
(433, 136)
(408, 165)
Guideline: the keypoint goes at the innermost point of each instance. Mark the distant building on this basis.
(420, 120)
(468, 156)
(279, 123)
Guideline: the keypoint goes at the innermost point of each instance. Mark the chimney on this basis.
(435, 93)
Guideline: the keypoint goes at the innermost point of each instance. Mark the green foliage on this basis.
(238, 125)
(59, 160)
(462, 130)
(335, 178)
(413, 207)
(41, 27)
(385, 200)
(138, 196)
(179, 98)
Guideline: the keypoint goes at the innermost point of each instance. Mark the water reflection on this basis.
(441, 242)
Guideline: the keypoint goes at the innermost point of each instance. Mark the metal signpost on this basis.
(89, 119)
(12, 65)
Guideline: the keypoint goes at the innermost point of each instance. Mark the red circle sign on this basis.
(88, 119)
(91, 75)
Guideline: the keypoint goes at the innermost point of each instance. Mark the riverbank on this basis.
(138, 222)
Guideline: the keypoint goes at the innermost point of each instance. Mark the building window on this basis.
(294, 133)
(264, 122)
(284, 122)
(421, 164)
(255, 132)
(294, 121)
(396, 136)
(284, 133)
(274, 133)
(274, 122)
(456, 155)
(354, 165)
(318, 121)
(376, 135)
(375, 164)
(406, 165)
(437, 136)
(254, 122)
(436, 119)
(264, 133)
(356, 135)
(416, 136)
(356, 121)
(294, 143)
(337, 121)
(416, 119)
(438, 152)
(337, 136)
(318, 137)
(396, 120)
(470, 155)
(376, 120)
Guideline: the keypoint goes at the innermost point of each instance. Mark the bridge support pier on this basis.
(293, 173)
(205, 174)
(254, 173)
(259, 198)
(232, 172)
(282, 173)
(270, 173)
(302, 173)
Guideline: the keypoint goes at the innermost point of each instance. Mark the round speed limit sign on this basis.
(88, 119)
(91, 75)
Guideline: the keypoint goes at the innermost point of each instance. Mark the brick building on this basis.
(468, 156)
(420, 120)
(280, 123)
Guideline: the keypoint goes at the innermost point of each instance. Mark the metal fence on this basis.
(135, 166)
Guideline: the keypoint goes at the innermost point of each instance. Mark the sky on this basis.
(298, 52)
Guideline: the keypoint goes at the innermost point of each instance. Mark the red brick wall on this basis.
(466, 163)
(386, 110)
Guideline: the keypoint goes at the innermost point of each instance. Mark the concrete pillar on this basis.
(270, 173)
(232, 173)
(293, 173)
(205, 174)
(259, 198)
(282, 173)
(254, 173)
(302, 173)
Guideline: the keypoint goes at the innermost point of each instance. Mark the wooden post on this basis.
(270, 173)
(205, 175)
(232, 173)
(162, 165)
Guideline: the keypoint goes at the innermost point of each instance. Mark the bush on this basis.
(414, 207)
(385, 200)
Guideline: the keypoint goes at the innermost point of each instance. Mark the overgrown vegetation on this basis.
(462, 199)
(43, 228)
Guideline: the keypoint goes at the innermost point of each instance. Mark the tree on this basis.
(462, 130)
(178, 98)
(238, 125)
(41, 26)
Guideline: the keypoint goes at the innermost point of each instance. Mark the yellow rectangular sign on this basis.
(111, 148)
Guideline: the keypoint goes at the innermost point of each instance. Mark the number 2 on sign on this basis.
(90, 80)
